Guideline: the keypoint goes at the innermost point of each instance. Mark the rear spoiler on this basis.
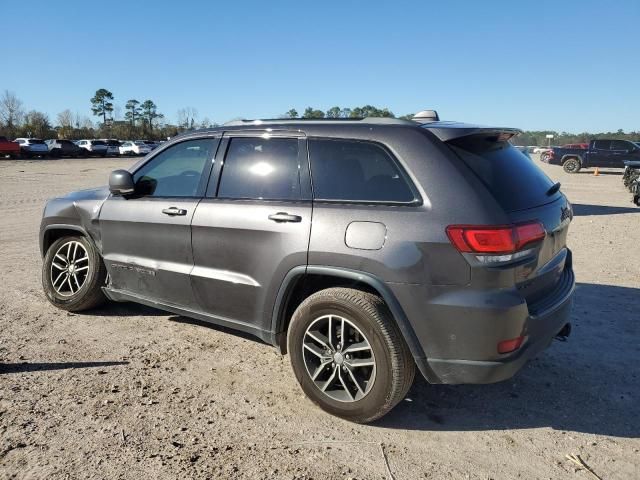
(448, 131)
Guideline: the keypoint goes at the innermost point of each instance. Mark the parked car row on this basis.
(35, 147)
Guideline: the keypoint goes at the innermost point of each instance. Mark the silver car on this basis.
(94, 147)
(32, 147)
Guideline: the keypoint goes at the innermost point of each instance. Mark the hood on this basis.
(97, 193)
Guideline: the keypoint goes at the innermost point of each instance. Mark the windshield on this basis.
(36, 141)
(97, 142)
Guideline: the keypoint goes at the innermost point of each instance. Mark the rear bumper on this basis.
(542, 330)
(460, 332)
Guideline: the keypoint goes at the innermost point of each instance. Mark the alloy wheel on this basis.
(69, 268)
(339, 358)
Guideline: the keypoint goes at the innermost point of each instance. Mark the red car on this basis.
(7, 148)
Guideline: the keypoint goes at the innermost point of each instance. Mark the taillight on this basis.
(496, 243)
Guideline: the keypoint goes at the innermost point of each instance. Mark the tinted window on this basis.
(621, 145)
(177, 171)
(513, 179)
(261, 168)
(602, 144)
(36, 141)
(356, 171)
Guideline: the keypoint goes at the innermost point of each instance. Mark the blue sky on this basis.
(570, 66)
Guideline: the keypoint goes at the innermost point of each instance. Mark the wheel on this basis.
(73, 274)
(348, 355)
(571, 165)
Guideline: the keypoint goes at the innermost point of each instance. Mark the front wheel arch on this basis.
(54, 232)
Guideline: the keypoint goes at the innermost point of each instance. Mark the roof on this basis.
(443, 130)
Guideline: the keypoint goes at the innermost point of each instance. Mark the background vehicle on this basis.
(64, 148)
(540, 149)
(601, 153)
(32, 147)
(10, 149)
(137, 147)
(113, 146)
(631, 179)
(152, 144)
(96, 148)
(434, 245)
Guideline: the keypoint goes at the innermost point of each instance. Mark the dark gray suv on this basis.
(363, 248)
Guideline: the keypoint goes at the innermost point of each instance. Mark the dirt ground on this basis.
(133, 393)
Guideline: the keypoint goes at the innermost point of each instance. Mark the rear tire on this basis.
(73, 274)
(571, 165)
(362, 369)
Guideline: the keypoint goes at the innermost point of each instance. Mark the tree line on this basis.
(142, 119)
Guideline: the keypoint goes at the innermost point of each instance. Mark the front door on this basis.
(621, 150)
(252, 227)
(146, 238)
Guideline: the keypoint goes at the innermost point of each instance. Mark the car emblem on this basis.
(565, 214)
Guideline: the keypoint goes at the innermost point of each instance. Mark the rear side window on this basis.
(261, 168)
(512, 178)
(356, 171)
(602, 144)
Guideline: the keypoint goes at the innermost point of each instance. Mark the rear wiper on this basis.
(553, 189)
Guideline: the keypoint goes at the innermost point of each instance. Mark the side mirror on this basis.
(121, 183)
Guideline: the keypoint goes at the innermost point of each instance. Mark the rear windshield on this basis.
(514, 180)
(36, 141)
(97, 142)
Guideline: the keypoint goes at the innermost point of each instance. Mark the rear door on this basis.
(600, 154)
(252, 227)
(146, 238)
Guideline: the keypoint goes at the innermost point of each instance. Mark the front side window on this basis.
(621, 145)
(176, 171)
(356, 171)
(261, 168)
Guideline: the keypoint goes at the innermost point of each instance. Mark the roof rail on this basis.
(377, 120)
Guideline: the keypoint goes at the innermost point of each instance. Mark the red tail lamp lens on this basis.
(494, 239)
(507, 346)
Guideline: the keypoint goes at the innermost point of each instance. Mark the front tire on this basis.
(73, 274)
(571, 165)
(348, 355)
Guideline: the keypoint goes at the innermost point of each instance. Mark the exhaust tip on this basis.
(563, 334)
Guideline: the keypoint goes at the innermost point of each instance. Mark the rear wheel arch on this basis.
(302, 282)
(569, 157)
(571, 163)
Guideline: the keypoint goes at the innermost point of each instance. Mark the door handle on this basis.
(281, 217)
(173, 211)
